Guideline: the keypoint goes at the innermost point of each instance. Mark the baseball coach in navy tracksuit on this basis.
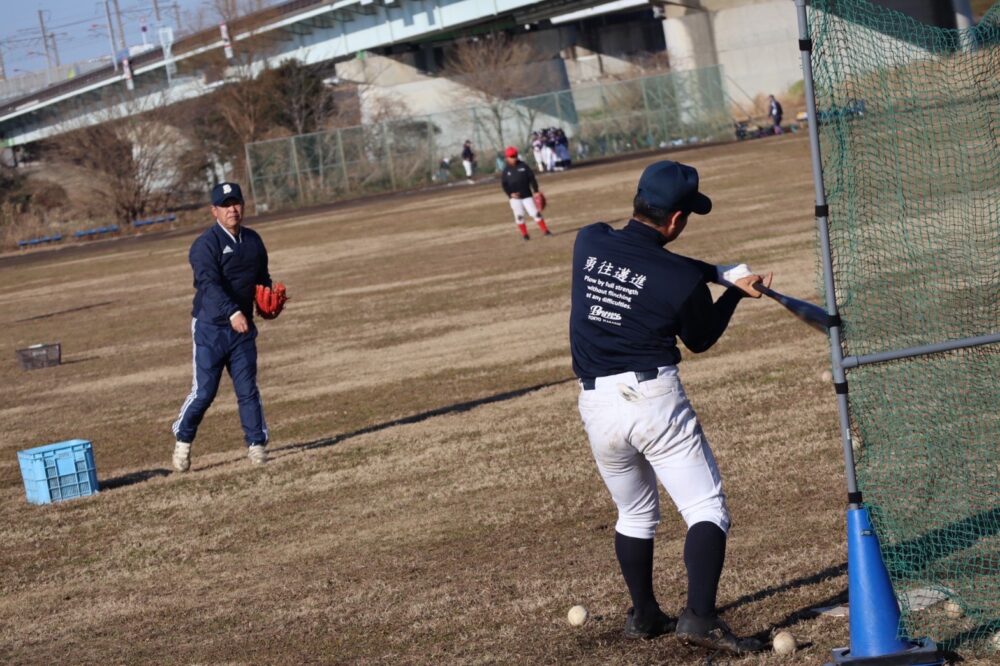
(228, 261)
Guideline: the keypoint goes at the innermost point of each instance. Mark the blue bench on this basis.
(154, 220)
(83, 233)
(54, 238)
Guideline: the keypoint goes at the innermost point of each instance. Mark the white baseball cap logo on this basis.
(226, 189)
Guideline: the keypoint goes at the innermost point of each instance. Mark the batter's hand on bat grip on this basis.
(746, 284)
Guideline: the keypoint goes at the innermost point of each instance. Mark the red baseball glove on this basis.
(270, 301)
(539, 201)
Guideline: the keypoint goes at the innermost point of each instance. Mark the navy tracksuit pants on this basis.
(217, 348)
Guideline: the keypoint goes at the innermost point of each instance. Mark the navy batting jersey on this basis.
(226, 273)
(632, 299)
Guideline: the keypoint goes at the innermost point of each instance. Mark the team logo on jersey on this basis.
(598, 311)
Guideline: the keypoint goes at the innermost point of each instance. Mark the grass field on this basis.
(431, 496)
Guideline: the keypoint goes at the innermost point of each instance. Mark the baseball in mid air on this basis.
(784, 643)
(577, 616)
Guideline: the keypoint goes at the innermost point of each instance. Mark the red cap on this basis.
(511, 151)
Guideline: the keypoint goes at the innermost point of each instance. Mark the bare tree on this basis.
(306, 101)
(243, 110)
(493, 68)
(132, 158)
(246, 105)
(230, 10)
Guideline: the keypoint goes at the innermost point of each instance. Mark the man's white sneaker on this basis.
(182, 456)
(257, 454)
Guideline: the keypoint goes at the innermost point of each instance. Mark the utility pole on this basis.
(111, 36)
(45, 39)
(55, 51)
(156, 11)
(121, 28)
(177, 17)
(3, 71)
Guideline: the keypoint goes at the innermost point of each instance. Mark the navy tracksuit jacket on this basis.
(226, 272)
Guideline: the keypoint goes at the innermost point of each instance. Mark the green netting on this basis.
(910, 131)
(673, 109)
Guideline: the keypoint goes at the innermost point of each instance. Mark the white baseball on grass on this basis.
(826, 376)
(577, 615)
(784, 643)
(953, 610)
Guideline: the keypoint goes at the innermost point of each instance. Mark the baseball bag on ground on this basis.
(539, 201)
(270, 301)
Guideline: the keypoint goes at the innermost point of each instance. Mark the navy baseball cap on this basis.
(224, 192)
(673, 186)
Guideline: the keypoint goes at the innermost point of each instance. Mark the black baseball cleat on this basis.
(548, 233)
(655, 625)
(526, 237)
(713, 633)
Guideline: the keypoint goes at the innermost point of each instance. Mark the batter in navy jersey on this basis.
(631, 301)
(229, 261)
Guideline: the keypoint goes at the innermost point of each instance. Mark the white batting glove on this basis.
(726, 275)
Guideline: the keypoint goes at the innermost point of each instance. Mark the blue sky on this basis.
(80, 28)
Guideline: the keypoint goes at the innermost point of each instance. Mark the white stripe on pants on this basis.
(643, 431)
(194, 380)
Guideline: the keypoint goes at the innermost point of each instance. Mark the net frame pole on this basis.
(822, 218)
(923, 350)
(874, 611)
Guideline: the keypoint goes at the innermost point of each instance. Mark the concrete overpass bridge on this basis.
(311, 31)
(754, 41)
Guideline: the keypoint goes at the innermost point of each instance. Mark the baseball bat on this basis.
(810, 313)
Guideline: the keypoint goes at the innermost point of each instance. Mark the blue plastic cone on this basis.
(874, 611)
(873, 607)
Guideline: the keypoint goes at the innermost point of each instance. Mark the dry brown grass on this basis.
(462, 536)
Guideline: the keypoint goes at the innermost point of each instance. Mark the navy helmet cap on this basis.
(671, 186)
(226, 192)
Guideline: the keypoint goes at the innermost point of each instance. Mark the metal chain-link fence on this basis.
(600, 120)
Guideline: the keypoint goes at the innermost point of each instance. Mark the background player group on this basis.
(549, 148)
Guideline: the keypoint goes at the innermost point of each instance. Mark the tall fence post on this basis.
(431, 152)
(388, 155)
(319, 160)
(343, 162)
(253, 185)
(298, 172)
(645, 114)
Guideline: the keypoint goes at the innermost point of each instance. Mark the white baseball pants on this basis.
(522, 206)
(549, 157)
(643, 431)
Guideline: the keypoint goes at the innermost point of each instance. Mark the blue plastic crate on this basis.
(59, 471)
